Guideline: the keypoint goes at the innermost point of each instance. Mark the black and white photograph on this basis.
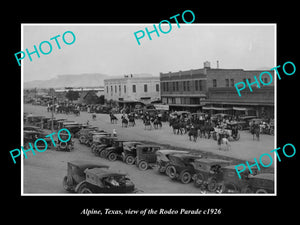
(161, 114)
(179, 114)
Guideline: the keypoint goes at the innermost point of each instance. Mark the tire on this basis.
(84, 189)
(82, 139)
(185, 177)
(112, 156)
(63, 145)
(143, 165)
(261, 191)
(129, 160)
(212, 185)
(230, 188)
(198, 182)
(171, 172)
(67, 183)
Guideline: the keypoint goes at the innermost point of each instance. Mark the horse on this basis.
(113, 118)
(193, 132)
(124, 122)
(147, 123)
(131, 121)
(223, 139)
(255, 130)
(157, 123)
(178, 126)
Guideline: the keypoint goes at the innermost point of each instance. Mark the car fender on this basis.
(79, 184)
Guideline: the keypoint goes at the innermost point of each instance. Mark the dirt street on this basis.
(44, 172)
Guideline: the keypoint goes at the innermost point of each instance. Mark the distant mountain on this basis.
(80, 80)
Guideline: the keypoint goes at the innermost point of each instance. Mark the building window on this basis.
(106, 89)
(174, 86)
(145, 88)
(157, 87)
(196, 85)
(177, 86)
(227, 82)
(119, 89)
(167, 86)
(124, 88)
(232, 82)
(214, 83)
(200, 85)
(133, 88)
(115, 88)
(266, 80)
(188, 85)
(184, 86)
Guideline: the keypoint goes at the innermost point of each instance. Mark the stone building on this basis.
(131, 90)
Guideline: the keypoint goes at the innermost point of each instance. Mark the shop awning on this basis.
(215, 108)
(241, 108)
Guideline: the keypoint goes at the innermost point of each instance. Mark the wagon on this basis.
(208, 173)
(182, 166)
(162, 158)
(146, 156)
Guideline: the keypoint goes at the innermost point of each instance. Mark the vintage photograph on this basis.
(185, 112)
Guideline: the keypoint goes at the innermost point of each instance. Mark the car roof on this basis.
(213, 161)
(101, 172)
(187, 155)
(265, 176)
(168, 151)
(87, 164)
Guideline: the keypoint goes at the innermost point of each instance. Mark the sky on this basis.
(112, 49)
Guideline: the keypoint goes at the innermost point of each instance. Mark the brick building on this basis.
(214, 88)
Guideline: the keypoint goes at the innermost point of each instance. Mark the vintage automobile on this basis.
(261, 184)
(34, 120)
(182, 166)
(115, 151)
(105, 142)
(129, 151)
(232, 183)
(87, 177)
(162, 158)
(208, 173)
(95, 138)
(72, 126)
(243, 122)
(84, 134)
(146, 156)
(64, 146)
(30, 136)
(32, 128)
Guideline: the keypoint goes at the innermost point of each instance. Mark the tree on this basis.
(72, 95)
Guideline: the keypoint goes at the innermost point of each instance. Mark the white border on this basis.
(154, 194)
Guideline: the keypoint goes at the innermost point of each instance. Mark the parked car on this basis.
(105, 142)
(64, 146)
(261, 184)
(30, 136)
(162, 158)
(182, 166)
(129, 151)
(146, 156)
(208, 173)
(87, 177)
(232, 183)
(115, 151)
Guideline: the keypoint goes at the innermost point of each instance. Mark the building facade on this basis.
(208, 87)
(183, 89)
(130, 89)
